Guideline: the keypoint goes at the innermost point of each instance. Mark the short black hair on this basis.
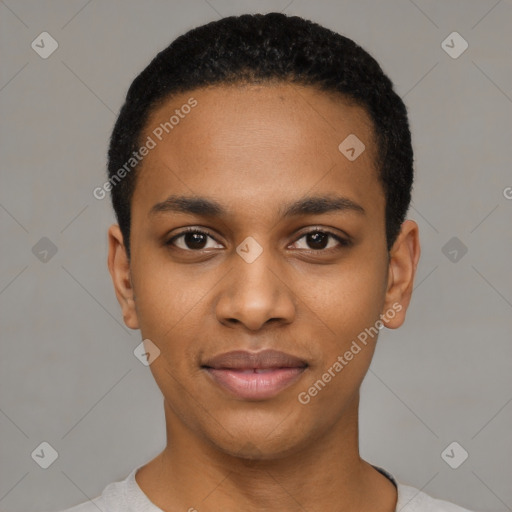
(269, 47)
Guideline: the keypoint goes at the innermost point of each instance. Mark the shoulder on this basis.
(411, 499)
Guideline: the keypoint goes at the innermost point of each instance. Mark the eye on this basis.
(192, 239)
(318, 240)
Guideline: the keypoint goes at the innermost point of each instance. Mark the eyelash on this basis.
(343, 242)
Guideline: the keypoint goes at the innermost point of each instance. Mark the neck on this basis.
(327, 474)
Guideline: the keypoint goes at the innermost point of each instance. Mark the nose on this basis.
(255, 294)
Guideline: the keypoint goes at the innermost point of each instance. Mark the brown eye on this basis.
(192, 240)
(319, 240)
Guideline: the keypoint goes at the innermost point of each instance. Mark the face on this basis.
(253, 232)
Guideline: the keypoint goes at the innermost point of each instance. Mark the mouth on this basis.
(254, 375)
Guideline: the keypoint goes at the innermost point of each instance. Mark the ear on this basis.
(119, 268)
(403, 260)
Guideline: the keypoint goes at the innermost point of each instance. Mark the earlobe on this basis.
(119, 268)
(403, 261)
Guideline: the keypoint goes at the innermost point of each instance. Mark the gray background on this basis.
(68, 374)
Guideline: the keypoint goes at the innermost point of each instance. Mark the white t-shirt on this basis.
(127, 496)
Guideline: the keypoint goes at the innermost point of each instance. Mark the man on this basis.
(260, 171)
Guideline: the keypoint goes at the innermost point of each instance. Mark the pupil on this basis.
(195, 240)
(317, 240)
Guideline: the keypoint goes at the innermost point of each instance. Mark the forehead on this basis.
(257, 142)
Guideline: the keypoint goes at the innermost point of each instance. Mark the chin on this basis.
(264, 439)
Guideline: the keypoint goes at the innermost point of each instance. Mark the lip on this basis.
(255, 375)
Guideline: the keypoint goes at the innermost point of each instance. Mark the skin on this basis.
(253, 149)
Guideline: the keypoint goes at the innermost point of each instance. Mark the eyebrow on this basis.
(312, 205)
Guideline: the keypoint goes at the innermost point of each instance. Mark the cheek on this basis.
(165, 295)
(174, 312)
(350, 298)
(168, 306)
(350, 306)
